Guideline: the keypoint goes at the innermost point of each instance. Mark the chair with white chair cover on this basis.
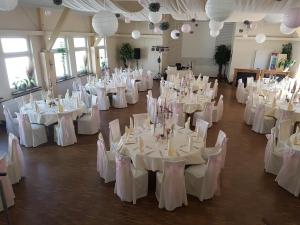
(273, 154)
(215, 89)
(203, 181)
(14, 160)
(262, 123)
(201, 129)
(119, 100)
(85, 97)
(140, 120)
(170, 186)
(94, 100)
(64, 131)
(206, 114)
(89, 123)
(289, 174)
(103, 100)
(7, 186)
(152, 109)
(250, 110)
(241, 94)
(149, 80)
(132, 94)
(31, 135)
(131, 183)
(142, 83)
(12, 124)
(106, 165)
(114, 134)
(178, 113)
(250, 81)
(218, 110)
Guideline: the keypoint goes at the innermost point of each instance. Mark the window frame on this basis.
(105, 51)
(9, 55)
(68, 61)
(79, 49)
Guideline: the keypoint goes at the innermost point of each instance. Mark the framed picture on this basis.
(273, 61)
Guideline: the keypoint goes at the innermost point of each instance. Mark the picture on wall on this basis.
(273, 61)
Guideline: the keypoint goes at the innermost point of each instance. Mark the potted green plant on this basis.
(288, 62)
(222, 57)
(126, 53)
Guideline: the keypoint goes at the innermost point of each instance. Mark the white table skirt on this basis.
(47, 115)
(155, 152)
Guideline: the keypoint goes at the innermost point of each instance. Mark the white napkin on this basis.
(130, 123)
(187, 123)
(141, 144)
(67, 96)
(60, 107)
(170, 147)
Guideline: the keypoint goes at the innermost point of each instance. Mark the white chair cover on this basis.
(64, 132)
(85, 97)
(218, 110)
(114, 134)
(203, 181)
(262, 124)
(241, 92)
(215, 88)
(201, 129)
(178, 113)
(12, 125)
(152, 109)
(131, 183)
(140, 119)
(273, 154)
(89, 123)
(119, 100)
(103, 100)
(132, 94)
(106, 166)
(289, 174)
(142, 84)
(31, 135)
(149, 80)
(284, 130)
(7, 187)
(206, 114)
(170, 186)
(14, 160)
(249, 111)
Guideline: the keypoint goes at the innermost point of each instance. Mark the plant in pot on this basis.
(287, 63)
(126, 53)
(222, 57)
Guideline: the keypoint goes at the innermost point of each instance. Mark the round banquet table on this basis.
(48, 115)
(281, 111)
(110, 88)
(155, 152)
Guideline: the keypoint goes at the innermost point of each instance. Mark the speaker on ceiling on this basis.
(137, 53)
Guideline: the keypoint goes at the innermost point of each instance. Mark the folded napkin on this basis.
(152, 129)
(67, 95)
(130, 123)
(170, 147)
(141, 144)
(36, 107)
(187, 123)
(60, 107)
(100, 137)
(290, 106)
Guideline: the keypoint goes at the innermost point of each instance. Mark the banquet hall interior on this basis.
(149, 112)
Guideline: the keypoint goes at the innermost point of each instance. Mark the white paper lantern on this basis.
(174, 34)
(127, 20)
(260, 38)
(219, 11)
(186, 28)
(155, 17)
(214, 33)
(105, 23)
(136, 34)
(8, 5)
(273, 18)
(215, 25)
(286, 30)
(291, 18)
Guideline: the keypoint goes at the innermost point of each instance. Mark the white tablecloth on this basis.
(155, 152)
(48, 115)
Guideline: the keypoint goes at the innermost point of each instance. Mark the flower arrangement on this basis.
(154, 6)
(164, 26)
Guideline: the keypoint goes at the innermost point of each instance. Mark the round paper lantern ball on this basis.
(136, 34)
(105, 23)
(286, 30)
(260, 38)
(8, 5)
(214, 33)
(291, 18)
(186, 28)
(175, 34)
(273, 18)
(155, 17)
(215, 25)
(219, 11)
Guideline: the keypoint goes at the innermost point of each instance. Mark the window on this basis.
(61, 58)
(102, 54)
(80, 47)
(18, 63)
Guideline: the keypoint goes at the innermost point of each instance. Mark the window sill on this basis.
(16, 94)
(64, 79)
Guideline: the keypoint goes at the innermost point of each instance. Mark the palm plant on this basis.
(222, 57)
